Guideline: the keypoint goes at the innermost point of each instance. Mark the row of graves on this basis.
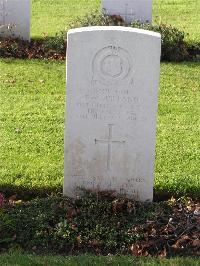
(15, 14)
(112, 94)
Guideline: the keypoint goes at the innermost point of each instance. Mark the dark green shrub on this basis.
(174, 46)
(9, 48)
(97, 18)
(99, 223)
(56, 44)
(17, 48)
(7, 229)
(194, 50)
(59, 224)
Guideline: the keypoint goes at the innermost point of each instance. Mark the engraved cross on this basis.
(109, 142)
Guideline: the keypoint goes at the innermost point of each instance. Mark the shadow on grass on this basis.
(29, 193)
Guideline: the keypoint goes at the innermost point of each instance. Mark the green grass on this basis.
(50, 16)
(32, 96)
(184, 14)
(32, 115)
(18, 258)
(178, 154)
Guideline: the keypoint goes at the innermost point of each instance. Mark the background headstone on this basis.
(15, 19)
(110, 134)
(129, 10)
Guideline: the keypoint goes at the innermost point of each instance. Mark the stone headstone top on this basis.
(129, 10)
(15, 19)
(112, 87)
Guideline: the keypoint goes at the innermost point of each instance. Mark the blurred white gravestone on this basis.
(112, 87)
(15, 19)
(129, 10)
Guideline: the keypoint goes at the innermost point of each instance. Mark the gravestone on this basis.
(112, 87)
(15, 19)
(129, 10)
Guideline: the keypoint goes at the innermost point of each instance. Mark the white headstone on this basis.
(112, 87)
(15, 19)
(129, 10)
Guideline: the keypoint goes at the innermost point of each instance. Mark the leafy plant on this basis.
(174, 46)
(98, 223)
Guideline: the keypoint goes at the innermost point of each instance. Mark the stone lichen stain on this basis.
(77, 162)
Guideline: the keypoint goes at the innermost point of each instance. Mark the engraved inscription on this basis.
(109, 143)
(110, 97)
(108, 104)
(135, 193)
(111, 65)
(127, 184)
(131, 186)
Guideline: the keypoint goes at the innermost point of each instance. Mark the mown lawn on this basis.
(32, 99)
(184, 14)
(32, 115)
(18, 258)
(50, 16)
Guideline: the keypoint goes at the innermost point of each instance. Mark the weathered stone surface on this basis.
(15, 19)
(112, 87)
(129, 10)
